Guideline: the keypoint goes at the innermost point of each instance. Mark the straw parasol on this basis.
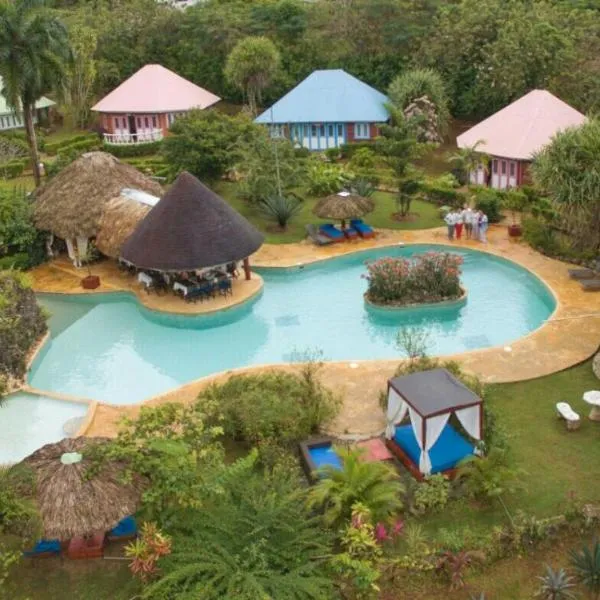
(73, 504)
(191, 228)
(342, 206)
(119, 220)
(70, 204)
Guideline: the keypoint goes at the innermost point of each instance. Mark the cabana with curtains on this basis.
(429, 444)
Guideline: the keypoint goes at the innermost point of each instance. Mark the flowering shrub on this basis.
(429, 277)
(146, 550)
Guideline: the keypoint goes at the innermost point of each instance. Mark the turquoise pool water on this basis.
(110, 348)
(28, 421)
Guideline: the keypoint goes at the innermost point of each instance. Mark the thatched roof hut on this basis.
(120, 218)
(343, 206)
(73, 504)
(191, 228)
(70, 205)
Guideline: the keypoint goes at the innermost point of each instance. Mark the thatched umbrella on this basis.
(120, 218)
(191, 228)
(343, 206)
(71, 204)
(70, 502)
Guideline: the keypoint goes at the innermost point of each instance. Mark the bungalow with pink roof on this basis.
(512, 136)
(144, 106)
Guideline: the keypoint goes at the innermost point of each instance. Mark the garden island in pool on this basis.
(109, 348)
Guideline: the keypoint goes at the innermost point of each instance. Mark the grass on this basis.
(426, 215)
(556, 462)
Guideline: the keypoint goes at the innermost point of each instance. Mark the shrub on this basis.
(132, 150)
(432, 494)
(489, 201)
(429, 277)
(17, 513)
(73, 141)
(282, 407)
(324, 178)
(541, 236)
(332, 154)
(281, 209)
(442, 191)
(302, 152)
(19, 261)
(586, 563)
(363, 158)
(348, 150)
(13, 168)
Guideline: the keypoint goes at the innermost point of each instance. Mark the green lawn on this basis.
(24, 182)
(425, 215)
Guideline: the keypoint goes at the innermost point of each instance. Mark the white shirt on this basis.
(450, 219)
(467, 215)
(484, 219)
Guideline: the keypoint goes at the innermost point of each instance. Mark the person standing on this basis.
(483, 227)
(458, 223)
(475, 224)
(468, 220)
(450, 222)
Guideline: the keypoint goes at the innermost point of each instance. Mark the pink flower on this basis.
(380, 533)
(397, 528)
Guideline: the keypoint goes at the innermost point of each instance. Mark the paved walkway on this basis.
(571, 335)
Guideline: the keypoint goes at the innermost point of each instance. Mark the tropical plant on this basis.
(556, 585)
(82, 72)
(455, 564)
(488, 201)
(515, 202)
(568, 170)
(432, 494)
(252, 66)
(325, 178)
(205, 143)
(467, 160)
(414, 84)
(34, 60)
(374, 485)
(254, 539)
(18, 514)
(586, 564)
(281, 209)
(146, 550)
(363, 158)
(363, 187)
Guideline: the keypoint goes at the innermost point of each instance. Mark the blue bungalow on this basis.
(327, 109)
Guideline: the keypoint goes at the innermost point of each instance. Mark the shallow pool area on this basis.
(107, 347)
(28, 421)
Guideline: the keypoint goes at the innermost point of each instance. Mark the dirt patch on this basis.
(409, 218)
(274, 228)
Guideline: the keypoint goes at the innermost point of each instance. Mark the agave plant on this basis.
(586, 563)
(363, 187)
(556, 585)
(280, 208)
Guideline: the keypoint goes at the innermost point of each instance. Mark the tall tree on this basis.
(34, 59)
(252, 66)
(82, 75)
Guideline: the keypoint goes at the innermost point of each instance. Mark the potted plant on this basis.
(515, 202)
(89, 282)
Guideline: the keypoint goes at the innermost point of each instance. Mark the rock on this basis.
(596, 365)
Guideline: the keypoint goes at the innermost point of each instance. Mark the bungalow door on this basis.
(495, 174)
(512, 173)
(503, 174)
(314, 137)
(330, 135)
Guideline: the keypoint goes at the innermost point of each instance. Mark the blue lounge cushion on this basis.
(44, 547)
(125, 527)
(361, 226)
(324, 454)
(451, 447)
(330, 230)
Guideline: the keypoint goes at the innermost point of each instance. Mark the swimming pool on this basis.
(109, 348)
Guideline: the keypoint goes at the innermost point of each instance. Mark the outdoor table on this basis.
(593, 399)
(179, 286)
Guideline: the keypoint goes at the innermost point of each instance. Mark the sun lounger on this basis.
(362, 228)
(332, 232)
(582, 274)
(590, 285)
(44, 549)
(126, 529)
(350, 233)
(316, 237)
(571, 418)
(92, 547)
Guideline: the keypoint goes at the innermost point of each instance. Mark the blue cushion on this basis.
(331, 231)
(125, 527)
(324, 455)
(43, 547)
(447, 452)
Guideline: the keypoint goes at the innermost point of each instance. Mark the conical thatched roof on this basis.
(190, 228)
(119, 220)
(343, 206)
(71, 503)
(71, 203)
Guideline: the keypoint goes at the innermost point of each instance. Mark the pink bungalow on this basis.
(513, 135)
(144, 106)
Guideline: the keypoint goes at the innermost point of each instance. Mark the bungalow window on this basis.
(512, 169)
(495, 167)
(276, 131)
(330, 130)
(147, 122)
(361, 131)
(154, 121)
(314, 132)
(340, 129)
(503, 167)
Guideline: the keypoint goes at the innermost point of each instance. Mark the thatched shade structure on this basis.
(70, 503)
(71, 204)
(191, 228)
(343, 206)
(120, 218)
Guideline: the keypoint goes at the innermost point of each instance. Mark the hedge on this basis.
(132, 150)
(13, 168)
(19, 261)
(76, 141)
(348, 150)
(442, 195)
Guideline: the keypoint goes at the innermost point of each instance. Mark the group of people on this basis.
(473, 222)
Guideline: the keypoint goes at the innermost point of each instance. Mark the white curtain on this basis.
(396, 411)
(434, 427)
(470, 419)
(71, 250)
(417, 424)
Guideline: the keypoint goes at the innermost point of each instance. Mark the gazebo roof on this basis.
(190, 228)
(434, 392)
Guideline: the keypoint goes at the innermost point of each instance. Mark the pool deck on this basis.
(59, 276)
(570, 336)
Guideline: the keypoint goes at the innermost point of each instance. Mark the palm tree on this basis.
(375, 485)
(556, 585)
(586, 563)
(34, 55)
(468, 159)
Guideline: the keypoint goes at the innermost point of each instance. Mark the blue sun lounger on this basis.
(364, 230)
(124, 530)
(332, 232)
(43, 549)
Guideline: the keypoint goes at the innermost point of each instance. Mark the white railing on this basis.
(142, 137)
